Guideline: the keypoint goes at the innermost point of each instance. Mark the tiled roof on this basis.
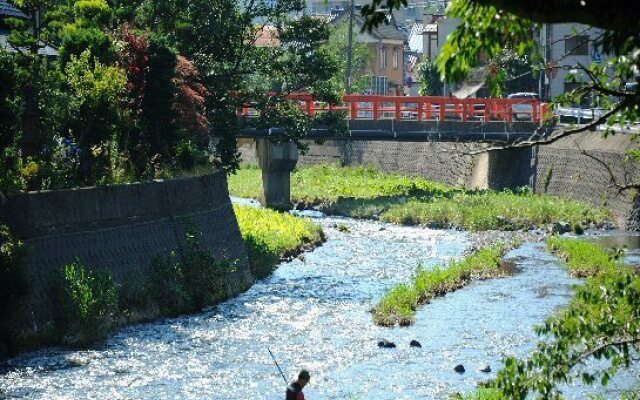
(9, 10)
(383, 31)
(44, 49)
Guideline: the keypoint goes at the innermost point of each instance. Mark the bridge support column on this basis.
(276, 160)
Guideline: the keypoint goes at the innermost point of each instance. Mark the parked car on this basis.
(523, 111)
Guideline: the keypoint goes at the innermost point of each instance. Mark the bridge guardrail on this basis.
(423, 108)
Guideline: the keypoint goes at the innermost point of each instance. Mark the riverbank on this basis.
(271, 237)
(360, 192)
(91, 303)
(601, 323)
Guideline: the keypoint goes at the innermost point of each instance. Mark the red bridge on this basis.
(425, 108)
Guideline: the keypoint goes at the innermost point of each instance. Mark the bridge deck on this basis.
(414, 131)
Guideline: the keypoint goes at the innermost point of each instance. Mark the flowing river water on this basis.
(314, 313)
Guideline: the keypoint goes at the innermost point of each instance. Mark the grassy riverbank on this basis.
(361, 192)
(583, 259)
(601, 323)
(271, 236)
(399, 305)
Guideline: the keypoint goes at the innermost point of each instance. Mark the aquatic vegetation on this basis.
(399, 305)
(583, 258)
(361, 192)
(271, 236)
(601, 323)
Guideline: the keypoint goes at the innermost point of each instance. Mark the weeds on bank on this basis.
(328, 183)
(399, 305)
(601, 323)
(271, 236)
(361, 192)
(88, 305)
(486, 210)
(583, 258)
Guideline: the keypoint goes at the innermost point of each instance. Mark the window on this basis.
(395, 58)
(383, 58)
(379, 85)
(577, 45)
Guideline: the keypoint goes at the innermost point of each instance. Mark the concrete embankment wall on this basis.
(581, 167)
(561, 168)
(119, 228)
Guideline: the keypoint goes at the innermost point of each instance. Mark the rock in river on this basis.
(415, 343)
(386, 344)
(485, 369)
(459, 368)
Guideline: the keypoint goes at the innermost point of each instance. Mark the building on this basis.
(387, 46)
(566, 46)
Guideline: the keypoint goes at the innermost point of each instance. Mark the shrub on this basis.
(13, 282)
(188, 283)
(89, 304)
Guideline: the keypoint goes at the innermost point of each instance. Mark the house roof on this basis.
(267, 36)
(382, 31)
(44, 50)
(8, 10)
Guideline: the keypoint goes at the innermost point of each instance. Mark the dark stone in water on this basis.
(386, 344)
(459, 368)
(415, 343)
(485, 369)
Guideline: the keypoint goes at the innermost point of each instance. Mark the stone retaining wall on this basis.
(119, 228)
(569, 168)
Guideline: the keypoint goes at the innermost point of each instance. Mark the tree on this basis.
(337, 48)
(430, 79)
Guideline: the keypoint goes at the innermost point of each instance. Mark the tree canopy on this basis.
(140, 86)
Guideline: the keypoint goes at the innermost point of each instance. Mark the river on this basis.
(314, 313)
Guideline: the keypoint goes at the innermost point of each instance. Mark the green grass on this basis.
(583, 258)
(271, 236)
(329, 183)
(361, 192)
(398, 306)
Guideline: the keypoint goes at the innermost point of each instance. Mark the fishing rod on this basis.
(279, 369)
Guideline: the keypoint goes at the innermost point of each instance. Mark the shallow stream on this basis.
(314, 313)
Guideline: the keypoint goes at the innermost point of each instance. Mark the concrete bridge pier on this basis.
(277, 161)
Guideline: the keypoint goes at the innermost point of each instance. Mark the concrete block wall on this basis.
(563, 169)
(560, 168)
(439, 161)
(120, 228)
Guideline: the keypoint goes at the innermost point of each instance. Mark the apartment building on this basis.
(387, 46)
(565, 46)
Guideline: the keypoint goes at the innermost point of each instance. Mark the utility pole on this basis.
(349, 48)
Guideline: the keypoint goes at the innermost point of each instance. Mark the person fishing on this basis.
(294, 390)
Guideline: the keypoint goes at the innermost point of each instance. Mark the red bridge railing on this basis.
(424, 108)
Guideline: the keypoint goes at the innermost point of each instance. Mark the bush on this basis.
(13, 281)
(89, 304)
(188, 283)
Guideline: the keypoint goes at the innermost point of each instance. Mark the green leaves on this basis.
(601, 323)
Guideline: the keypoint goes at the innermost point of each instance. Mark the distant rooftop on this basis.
(382, 31)
(8, 10)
